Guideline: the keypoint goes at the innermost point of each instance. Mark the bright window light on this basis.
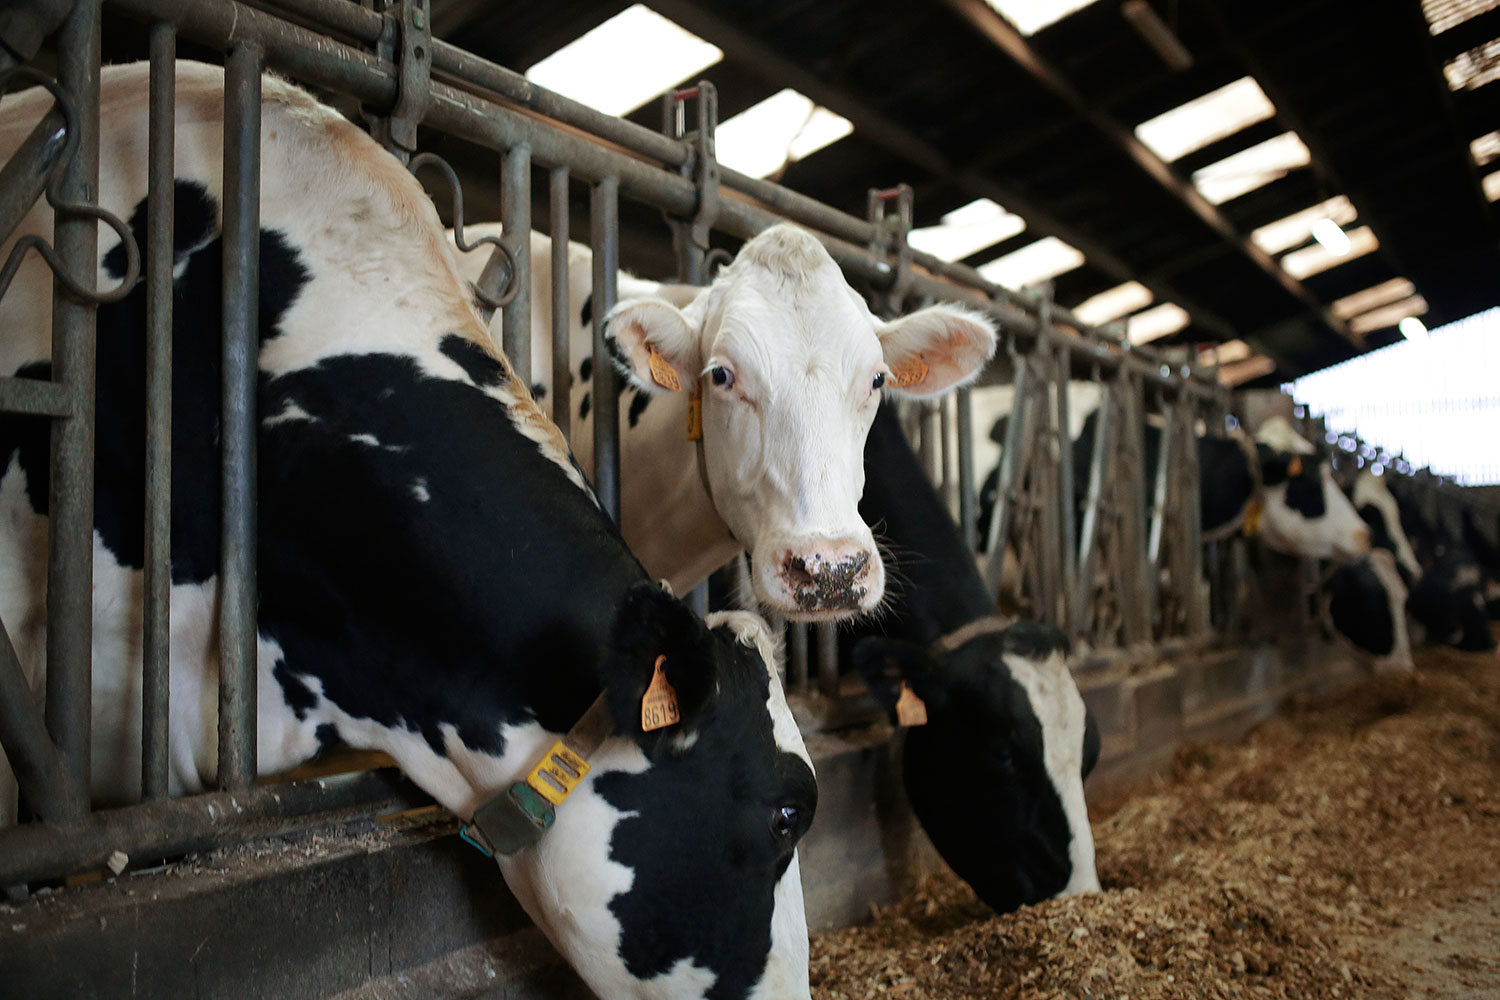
(1444, 14)
(1156, 322)
(1473, 69)
(1388, 315)
(1485, 148)
(1114, 303)
(782, 129)
(967, 230)
(1251, 168)
(1433, 399)
(1315, 259)
(1031, 16)
(1223, 112)
(1376, 295)
(1294, 230)
(625, 62)
(1331, 236)
(1032, 264)
(1491, 184)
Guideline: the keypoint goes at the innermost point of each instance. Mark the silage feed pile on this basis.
(1327, 855)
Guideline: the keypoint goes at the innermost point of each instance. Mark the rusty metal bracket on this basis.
(406, 41)
(496, 286)
(61, 206)
(891, 229)
(690, 238)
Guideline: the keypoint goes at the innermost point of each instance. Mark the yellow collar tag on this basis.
(1295, 467)
(557, 773)
(662, 373)
(910, 710)
(1252, 519)
(695, 417)
(909, 372)
(659, 705)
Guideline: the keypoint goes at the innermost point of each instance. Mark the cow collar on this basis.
(695, 434)
(518, 816)
(979, 626)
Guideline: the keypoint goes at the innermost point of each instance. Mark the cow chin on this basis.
(818, 579)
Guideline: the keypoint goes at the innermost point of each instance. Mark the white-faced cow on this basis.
(436, 580)
(996, 773)
(791, 365)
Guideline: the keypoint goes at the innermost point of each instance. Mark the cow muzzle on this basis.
(819, 579)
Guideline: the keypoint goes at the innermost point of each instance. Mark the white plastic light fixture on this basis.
(1412, 328)
(1332, 236)
(625, 62)
(782, 129)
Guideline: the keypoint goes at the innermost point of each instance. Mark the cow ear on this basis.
(887, 664)
(936, 349)
(654, 344)
(652, 626)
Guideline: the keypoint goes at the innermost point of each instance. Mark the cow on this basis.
(791, 365)
(435, 578)
(1448, 597)
(1365, 605)
(995, 775)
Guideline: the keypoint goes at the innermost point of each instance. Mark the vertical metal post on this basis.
(998, 530)
(562, 322)
(828, 660)
(966, 514)
(604, 207)
(515, 220)
(1069, 521)
(156, 640)
(1167, 461)
(1088, 542)
(70, 526)
(797, 656)
(237, 584)
(1192, 518)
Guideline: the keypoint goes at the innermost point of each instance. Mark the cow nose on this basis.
(819, 577)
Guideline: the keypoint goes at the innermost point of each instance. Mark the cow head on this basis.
(996, 774)
(792, 365)
(1305, 513)
(671, 872)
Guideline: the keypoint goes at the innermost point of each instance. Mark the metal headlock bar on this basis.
(1118, 571)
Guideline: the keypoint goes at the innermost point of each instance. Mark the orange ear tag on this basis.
(695, 418)
(1295, 468)
(659, 705)
(662, 373)
(910, 710)
(909, 372)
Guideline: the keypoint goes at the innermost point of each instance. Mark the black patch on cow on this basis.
(1380, 533)
(297, 695)
(483, 370)
(1034, 640)
(586, 368)
(1359, 608)
(538, 391)
(327, 736)
(1304, 493)
(29, 440)
(701, 845)
(583, 409)
(586, 314)
(638, 403)
(195, 220)
(1226, 482)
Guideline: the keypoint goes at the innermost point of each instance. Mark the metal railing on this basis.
(1133, 535)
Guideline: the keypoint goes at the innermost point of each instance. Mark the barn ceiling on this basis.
(952, 98)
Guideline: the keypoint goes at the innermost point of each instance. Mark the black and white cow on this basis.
(1366, 605)
(1447, 596)
(996, 774)
(436, 580)
(791, 365)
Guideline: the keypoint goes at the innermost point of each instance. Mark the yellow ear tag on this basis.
(662, 373)
(1252, 519)
(659, 705)
(1295, 469)
(695, 417)
(909, 372)
(910, 710)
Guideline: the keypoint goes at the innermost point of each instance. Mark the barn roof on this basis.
(1362, 110)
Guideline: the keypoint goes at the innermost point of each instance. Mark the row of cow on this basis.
(437, 581)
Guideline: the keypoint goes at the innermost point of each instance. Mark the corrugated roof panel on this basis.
(1219, 113)
(1444, 14)
(1251, 168)
(1473, 69)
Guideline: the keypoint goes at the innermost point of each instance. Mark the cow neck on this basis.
(937, 586)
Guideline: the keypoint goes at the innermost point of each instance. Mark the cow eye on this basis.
(721, 376)
(785, 821)
(879, 382)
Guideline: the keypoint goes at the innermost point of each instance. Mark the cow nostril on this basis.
(796, 573)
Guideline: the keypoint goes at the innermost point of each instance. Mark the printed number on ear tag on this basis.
(659, 706)
(662, 373)
(910, 710)
(695, 418)
(909, 372)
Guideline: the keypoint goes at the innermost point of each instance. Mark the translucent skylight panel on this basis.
(782, 129)
(609, 69)
(1315, 259)
(1432, 399)
(1031, 16)
(1251, 168)
(1473, 69)
(1032, 264)
(1241, 372)
(1156, 322)
(967, 230)
(1226, 353)
(1295, 230)
(1376, 295)
(1389, 315)
(1485, 148)
(1113, 303)
(1219, 113)
(1444, 14)
(1491, 185)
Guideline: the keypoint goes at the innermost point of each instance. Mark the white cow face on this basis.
(671, 872)
(1306, 514)
(792, 365)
